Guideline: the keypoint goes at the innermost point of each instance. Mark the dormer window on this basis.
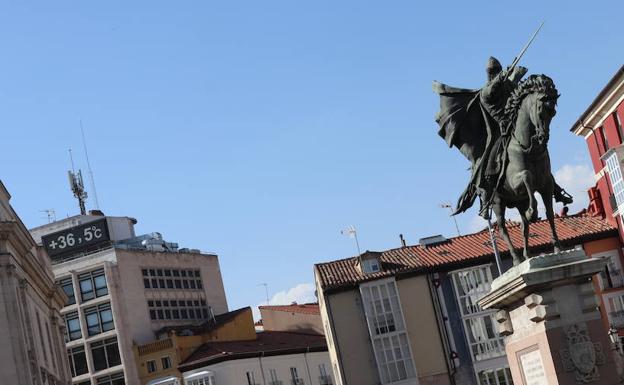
(370, 265)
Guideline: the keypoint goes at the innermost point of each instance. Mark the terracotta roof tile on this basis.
(268, 343)
(306, 308)
(572, 230)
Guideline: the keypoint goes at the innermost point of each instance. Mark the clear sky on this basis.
(260, 129)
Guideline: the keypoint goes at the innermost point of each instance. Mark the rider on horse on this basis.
(493, 96)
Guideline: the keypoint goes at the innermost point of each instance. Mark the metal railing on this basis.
(325, 380)
(613, 279)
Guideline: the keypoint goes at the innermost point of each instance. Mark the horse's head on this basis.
(537, 98)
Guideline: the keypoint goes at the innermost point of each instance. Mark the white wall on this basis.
(234, 372)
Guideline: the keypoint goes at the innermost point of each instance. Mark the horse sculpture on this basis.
(529, 110)
(503, 130)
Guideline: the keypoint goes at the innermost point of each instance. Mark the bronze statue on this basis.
(503, 130)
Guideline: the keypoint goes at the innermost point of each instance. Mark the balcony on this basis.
(613, 279)
(325, 380)
(297, 381)
(616, 318)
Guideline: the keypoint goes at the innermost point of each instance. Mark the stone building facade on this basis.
(32, 350)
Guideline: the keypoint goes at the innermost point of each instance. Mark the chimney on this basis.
(403, 244)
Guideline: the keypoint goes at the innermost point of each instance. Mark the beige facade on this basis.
(123, 293)
(355, 339)
(304, 318)
(31, 343)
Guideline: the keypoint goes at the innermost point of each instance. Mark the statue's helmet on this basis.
(493, 67)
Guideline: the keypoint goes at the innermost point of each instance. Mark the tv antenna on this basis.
(351, 232)
(91, 179)
(450, 208)
(50, 214)
(266, 291)
(77, 185)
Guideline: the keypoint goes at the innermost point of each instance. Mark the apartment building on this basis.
(272, 358)
(601, 125)
(410, 315)
(122, 288)
(158, 360)
(31, 328)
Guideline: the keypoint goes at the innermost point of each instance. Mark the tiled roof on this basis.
(306, 308)
(268, 343)
(572, 230)
(204, 327)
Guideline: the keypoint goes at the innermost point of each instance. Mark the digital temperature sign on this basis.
(76, 239)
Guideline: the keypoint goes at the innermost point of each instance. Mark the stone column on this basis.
(549, 315)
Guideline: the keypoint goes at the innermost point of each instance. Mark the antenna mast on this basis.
(77, 185)
(91, 179)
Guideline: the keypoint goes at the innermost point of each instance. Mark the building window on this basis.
(618, 125)
(178, 309)
(68, 288)
(616, 311)
(370, 265)
(470, 286)
(175, 279)
(394, 359)
(113, 379)
(105, 354)
(501, 376)
(294, 377)
(479, 325)
(166, 362)
(251, 378)
(92, 285)
(324, 377)
(273, 377)
(203, 380)
(387, 331)
(603, 137)
(382, 304)
(151, 366)
(77, 361)
(611, 277)
(615, 176)
(73, 326)
(99, 319)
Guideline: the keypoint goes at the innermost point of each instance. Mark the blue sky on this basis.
(259, 130)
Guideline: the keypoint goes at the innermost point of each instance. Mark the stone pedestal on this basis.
(549, 314)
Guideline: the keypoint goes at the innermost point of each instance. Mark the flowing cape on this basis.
(466, 124)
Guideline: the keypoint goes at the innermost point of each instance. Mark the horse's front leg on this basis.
(525, 178)
(499, 210)
(547, 198)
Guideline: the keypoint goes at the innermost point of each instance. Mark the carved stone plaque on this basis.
(532, 368)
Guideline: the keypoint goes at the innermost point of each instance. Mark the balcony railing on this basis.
(617, 318)
(297, 381)
(325, 380)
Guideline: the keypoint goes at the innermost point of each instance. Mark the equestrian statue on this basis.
(503, 130)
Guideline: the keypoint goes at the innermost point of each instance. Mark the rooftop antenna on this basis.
(77, 185)
(266, 291)
(91, 179)
(50, 213)
(450, 208)
(351, 232)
